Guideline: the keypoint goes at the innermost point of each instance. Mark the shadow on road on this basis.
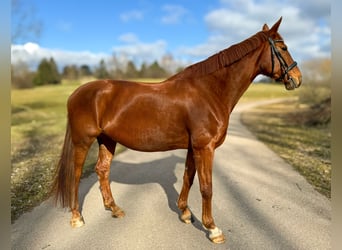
(160, 171)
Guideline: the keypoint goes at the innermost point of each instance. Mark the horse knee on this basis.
(206, 191)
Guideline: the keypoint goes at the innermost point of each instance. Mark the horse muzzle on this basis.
(292, 83)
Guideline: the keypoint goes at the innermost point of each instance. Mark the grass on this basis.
(259, 91)
(285, 128)
(37, 133)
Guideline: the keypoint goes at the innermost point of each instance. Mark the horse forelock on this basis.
(227, 56)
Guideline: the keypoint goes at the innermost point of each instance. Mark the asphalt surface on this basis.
(259, 202)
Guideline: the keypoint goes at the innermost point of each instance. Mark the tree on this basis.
(155, 71)
(317, 75)
(85, 70)
(101, 72)
(47, 73)
(70, 72)
(317, 71)
(168, 63)
(21, 75)
(143, 70)
(131, 71)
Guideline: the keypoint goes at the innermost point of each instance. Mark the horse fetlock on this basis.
(182, 204)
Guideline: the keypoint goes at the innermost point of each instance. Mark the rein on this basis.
(283, 64)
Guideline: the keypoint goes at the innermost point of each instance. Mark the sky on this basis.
(84, 32)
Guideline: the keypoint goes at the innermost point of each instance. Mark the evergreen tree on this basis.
(155, 71)
(101, 72)
(131, 71)
(56, 75)
(143, 70)
(47, 73)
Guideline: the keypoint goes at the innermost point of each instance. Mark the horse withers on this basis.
(195, 105)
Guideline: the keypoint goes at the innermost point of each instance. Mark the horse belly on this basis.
(143, 136)
(151, 139)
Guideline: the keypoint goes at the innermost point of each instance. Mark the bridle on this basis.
(285, 68)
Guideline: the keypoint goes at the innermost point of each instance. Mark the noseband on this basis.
(285, 68)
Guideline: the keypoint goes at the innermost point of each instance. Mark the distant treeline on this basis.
(47, 72)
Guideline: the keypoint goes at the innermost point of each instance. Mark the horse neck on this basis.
(232, 81)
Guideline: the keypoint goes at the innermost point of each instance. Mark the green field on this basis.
(37, 133)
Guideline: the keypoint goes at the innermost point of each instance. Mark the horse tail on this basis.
(63, 187)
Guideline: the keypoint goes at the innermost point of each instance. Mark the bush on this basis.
(314, 93)
(316, 81)
(21, 76)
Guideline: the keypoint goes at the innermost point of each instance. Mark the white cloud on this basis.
(307, 35)
(132, 15)
(314, 9)
(32, 54)
(128, 38)
(174, 14)
(226, 21)
(132, 49)
(139, 52)
(214, 44)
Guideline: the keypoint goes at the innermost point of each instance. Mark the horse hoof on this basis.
(77, 222)
(218, 239)
(186, 216)
(187, 221)
(216, 236)
(118, 213)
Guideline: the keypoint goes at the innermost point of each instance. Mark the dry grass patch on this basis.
(296, 133)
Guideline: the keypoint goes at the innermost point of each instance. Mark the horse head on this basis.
(278, 63)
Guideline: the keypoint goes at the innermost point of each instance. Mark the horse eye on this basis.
(284, 48)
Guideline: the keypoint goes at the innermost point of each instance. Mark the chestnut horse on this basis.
(189, 110)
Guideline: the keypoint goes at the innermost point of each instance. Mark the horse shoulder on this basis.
(207, 122)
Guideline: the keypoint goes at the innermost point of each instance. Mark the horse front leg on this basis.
(106, 152)
(188, 178)
(204, 165)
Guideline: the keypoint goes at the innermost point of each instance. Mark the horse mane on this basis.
(225, 57)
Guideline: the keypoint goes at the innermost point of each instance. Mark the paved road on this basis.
(259, 202)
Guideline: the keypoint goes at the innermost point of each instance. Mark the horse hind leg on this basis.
(188, 178)
(106, 153)
(80, 153)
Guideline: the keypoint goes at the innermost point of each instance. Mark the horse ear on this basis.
(265, 27)
(275, 27)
